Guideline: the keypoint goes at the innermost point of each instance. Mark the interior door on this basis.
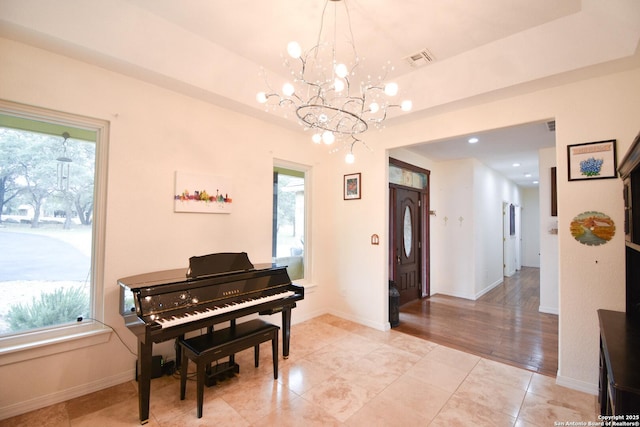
(407, 245)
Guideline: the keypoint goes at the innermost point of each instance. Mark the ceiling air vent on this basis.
(418, 59)
(551, 125)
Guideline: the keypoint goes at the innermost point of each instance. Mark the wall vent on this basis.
(420, 58)
(551, 125)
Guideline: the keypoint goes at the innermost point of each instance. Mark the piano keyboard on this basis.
(214, 311)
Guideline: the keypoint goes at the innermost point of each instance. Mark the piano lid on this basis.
(222, 262)
(154, 278)
(199, 266)
(179, 277)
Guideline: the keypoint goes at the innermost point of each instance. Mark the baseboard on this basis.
(489, 288)
(384, 326)
(455, 295)
(574, 384)
(548, 310)
(64, 395)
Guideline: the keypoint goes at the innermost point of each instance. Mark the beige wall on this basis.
(590, 278)
(155, 132)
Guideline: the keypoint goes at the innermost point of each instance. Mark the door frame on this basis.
(425, 262)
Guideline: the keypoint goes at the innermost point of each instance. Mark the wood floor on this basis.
(503, 325)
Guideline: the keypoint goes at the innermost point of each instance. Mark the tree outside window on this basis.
(46, 217)
(289, 220)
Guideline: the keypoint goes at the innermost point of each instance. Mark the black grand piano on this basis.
(216, 288)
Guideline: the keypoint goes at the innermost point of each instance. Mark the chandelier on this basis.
(327, 93)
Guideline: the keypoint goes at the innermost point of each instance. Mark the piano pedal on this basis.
(221, 372)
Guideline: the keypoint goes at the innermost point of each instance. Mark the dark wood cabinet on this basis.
(629, 170)
(619, 382)
(619, 364)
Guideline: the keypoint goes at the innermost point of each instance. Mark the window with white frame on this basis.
(52, 180)
(290, 220)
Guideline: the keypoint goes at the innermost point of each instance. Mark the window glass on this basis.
(408, 178)
(47, 180)
(289, 221)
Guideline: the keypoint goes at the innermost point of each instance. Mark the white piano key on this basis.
(217, 310)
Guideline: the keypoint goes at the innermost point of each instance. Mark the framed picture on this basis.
(197, 192)
(352, 186)
(593, 160)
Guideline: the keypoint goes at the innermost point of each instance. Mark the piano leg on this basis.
(286, 331)
(144, 379)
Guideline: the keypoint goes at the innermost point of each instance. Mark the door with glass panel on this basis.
(407, 245)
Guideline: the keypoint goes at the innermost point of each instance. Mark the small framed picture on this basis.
(592, 160)
(352, 186)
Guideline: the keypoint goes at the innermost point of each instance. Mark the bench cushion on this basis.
(227, 337)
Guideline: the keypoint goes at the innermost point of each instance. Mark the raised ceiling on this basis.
(214, 50)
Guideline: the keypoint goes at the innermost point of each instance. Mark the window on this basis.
(52, 178)
(289, 220)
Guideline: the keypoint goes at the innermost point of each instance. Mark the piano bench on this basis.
(207, 348)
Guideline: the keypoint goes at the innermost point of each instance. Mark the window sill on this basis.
(41, 344)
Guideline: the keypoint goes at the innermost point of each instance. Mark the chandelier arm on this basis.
(303, 67)
(359, 102)
(285, 101)
(347, 85)
(353, 128)
(317, 98)
(381, 119)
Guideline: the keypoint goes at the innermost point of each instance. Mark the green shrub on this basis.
(59, 307)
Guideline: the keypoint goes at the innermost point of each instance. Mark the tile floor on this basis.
(340, 373)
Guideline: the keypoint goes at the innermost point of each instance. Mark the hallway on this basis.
(503, 325)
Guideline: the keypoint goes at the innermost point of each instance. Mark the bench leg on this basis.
(183, 374)
(200, 385)
(256, 355)
(274, 355)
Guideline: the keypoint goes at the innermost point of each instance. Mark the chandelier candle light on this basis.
(328, 96)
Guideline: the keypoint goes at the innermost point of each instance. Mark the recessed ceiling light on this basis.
(473, 140)
(515, 165)
(535, 182)
(527, 175)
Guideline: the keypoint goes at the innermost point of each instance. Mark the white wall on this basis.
(548, 227)
(491, 190)
(531, 227)
(584, 284)
(452, 240)
(153, 133)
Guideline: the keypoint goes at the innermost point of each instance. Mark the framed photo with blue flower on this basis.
(592, 160)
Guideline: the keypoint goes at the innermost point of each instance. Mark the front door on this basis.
(407, 250)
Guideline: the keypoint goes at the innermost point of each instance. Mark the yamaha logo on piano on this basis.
(229, 293)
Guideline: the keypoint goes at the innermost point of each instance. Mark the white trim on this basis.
(64, 395)
(548, 310)
(380, 326)
(306, 259)
(489, 288)
(31, 344)
(574, 384)
(26, 346)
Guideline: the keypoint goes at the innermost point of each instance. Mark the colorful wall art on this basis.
(592, 228)
(195, 192)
